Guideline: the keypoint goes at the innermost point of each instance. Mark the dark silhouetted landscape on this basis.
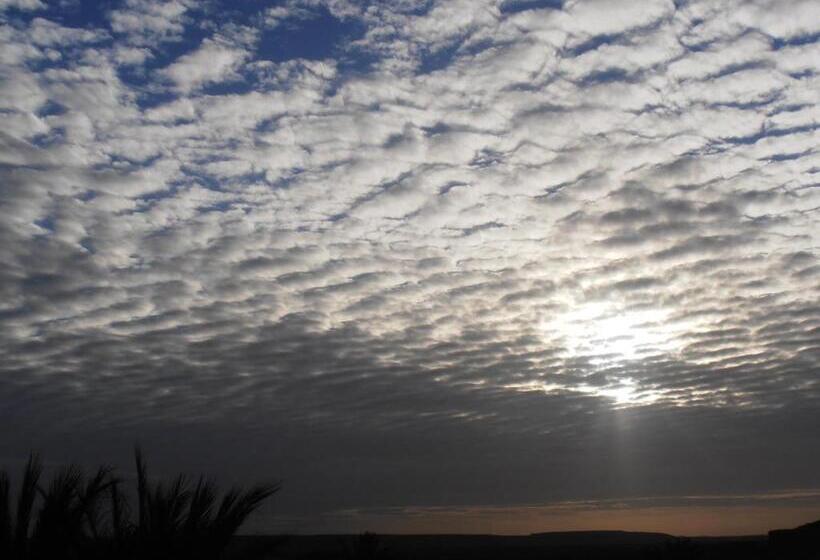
(74, 516)
(802, 543)
(564, 546)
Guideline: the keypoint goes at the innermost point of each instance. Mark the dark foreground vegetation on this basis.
(76, 516)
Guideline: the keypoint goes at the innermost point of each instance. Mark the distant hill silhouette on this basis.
(800, 542)
(603, 538)
(574, 545)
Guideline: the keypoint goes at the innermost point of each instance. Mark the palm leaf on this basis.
(143, 491)
(91, 498)
(235, 508)
(60, 513)
(200, 511)
(25, 502)
(119, 512)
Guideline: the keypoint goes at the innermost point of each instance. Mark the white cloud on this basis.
(131, 56)
(605, 17)
(49, 34)
(146, 22)
(214, 61)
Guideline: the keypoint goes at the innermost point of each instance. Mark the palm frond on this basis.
(177, 498)
(119, 512)
(143, 492)
(25, 502)
(200, 510)
(237, 505)
(60, 516)
(91, 498)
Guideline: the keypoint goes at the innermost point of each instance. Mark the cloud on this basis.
(214, 61)
(538, 231)
(146, 23)
(28, 5)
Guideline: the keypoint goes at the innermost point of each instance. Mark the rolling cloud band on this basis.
(402, 236)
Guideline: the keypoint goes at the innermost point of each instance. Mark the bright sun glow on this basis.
(625, 393)
(606, 334)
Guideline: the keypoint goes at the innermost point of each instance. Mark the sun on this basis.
(605, 333)
(625, 393)
(610, 336)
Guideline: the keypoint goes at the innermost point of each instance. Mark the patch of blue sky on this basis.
(437, 128)
(46, 224)
(148, 98)
(768, 133)
(221, 206)
(607, 75)
(269, 124)
(416, 8)
(50, 108)
(447, 187)
(515, 6)
(125, 164)
(149, 199)
(442, 58)
(593, 43)
(623, 38)
(316, 36)
(85, 14)
(439, 59)
(802, 74)
(250, 178)
(779, 43)
(87, 196)
(244, 83)
(55, 136)
(789, 108)
(746, 105)
(87, 243)
(734, 68)
(788, 156)
(194, 176)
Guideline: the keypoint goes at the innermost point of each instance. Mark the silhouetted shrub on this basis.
(77, 517)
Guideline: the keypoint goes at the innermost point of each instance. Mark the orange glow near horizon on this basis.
(700, 520)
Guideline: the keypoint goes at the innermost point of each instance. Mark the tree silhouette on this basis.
(80, 517)
(188, 521)
(14, 527)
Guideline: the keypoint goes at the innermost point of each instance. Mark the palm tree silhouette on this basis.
(89, 517)
(185, 520)
(14, 528)
(70, 518)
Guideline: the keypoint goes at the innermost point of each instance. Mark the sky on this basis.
(438, 265)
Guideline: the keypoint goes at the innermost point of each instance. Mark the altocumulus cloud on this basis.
(447, 246)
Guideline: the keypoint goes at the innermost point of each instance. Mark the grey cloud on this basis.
(493, 255)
